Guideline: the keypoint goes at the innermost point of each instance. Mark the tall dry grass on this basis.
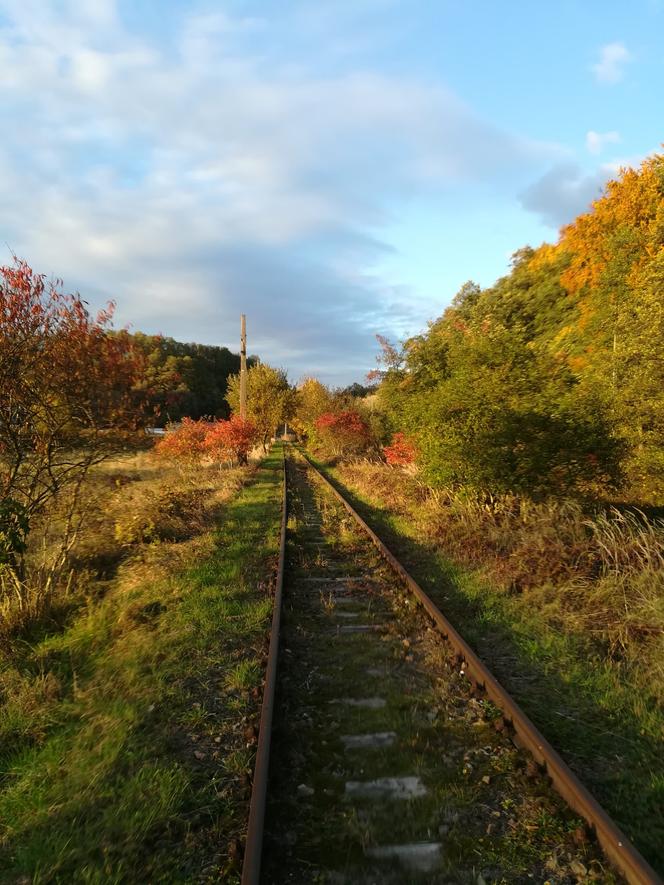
(125, 503)
(599, 575)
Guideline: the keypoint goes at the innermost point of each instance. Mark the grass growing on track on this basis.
(601, 720)
(126, 737)
(496, 824)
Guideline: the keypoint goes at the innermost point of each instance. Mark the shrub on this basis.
(401, 452)
(343, 433)
(184, 444)
(231, 440)
(221, 440)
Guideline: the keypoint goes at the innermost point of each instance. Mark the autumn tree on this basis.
(184, 443)
(343, 433)
(230, 441)
(312, 399)
(270, 399)
(615, 278)
(66, 403)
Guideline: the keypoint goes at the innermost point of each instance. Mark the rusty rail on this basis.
(251, 867)
(617, 847)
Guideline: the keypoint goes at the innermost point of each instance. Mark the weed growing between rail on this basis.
(493, 817)
(127, 730)
(600, 708)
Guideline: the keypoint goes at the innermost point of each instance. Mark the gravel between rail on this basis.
(384, 766)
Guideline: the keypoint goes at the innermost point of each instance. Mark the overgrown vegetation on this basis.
(567, 611)
(127, 714)
(66, 404)
(601, 577)
(515, 460)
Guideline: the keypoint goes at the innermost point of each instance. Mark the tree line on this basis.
(549, 382)
(184, 380)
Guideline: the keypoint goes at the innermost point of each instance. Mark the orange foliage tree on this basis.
(615, 277)
(343, 433)
(231, 440)
(624, 225)
(184, 443)
(66, 402)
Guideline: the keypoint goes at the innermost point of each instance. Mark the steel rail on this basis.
(253, 848)
(616, 846)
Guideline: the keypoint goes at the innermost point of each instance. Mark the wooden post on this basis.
(243, 366)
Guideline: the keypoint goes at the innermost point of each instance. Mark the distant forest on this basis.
(185, 379)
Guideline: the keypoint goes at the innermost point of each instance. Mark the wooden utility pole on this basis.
(243, 366)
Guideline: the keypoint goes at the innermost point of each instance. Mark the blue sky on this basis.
(332, 169)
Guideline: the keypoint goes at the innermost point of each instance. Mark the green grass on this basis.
(591, 707)
(124, 757)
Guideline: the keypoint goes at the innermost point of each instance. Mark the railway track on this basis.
(393, 756)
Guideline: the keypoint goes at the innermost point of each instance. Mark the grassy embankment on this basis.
(126, 716)
(568, 612)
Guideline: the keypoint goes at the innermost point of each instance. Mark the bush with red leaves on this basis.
(222, 441)
(343, 433)
(231, 440)
(401, 452)
(184, 444)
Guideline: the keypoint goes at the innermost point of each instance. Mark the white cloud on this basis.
(596, 141)
(90, 70)
(612, 59)
(197, 180)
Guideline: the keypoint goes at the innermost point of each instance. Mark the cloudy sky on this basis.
(333, 168)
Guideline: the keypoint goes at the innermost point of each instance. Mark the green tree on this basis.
(490, 401)
(185, 380)
(312, 399)
(270, 399)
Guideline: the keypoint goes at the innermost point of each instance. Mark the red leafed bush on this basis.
(186, 443)
(401, 452)
(65, 387)
(231, 440)
(343, 433)
(66, 381)
(67, 402)
(221, 440)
